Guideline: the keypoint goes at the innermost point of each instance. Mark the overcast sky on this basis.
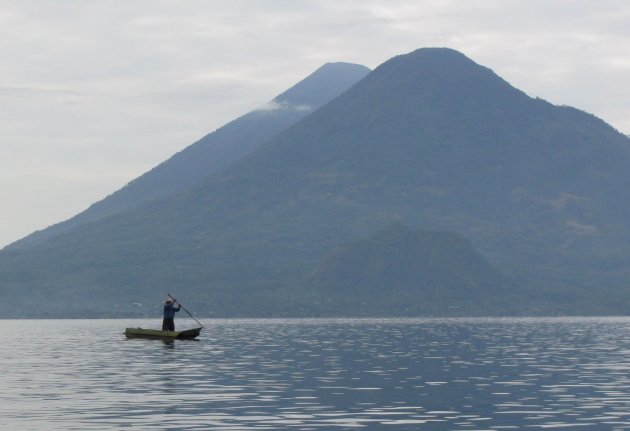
(94, 93)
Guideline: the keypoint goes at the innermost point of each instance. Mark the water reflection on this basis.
(435, 374)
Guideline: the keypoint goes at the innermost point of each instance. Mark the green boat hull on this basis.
(157, 334)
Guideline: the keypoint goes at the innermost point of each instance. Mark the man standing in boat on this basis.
(168, 324)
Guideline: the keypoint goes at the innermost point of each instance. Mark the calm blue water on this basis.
(428, 374)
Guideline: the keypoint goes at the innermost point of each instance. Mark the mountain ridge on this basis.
(430, 140)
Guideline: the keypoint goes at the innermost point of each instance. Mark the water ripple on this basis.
(402, 374)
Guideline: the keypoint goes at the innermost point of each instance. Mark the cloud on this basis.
(283, 105)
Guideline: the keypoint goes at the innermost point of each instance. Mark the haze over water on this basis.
(376, 374)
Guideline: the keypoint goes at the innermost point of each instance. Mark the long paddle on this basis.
(183, 308)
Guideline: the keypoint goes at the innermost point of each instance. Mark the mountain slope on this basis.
(429, 139)
(218, 149)
(404, 272)
(437, 138)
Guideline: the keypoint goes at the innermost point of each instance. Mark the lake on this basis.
(319, 374)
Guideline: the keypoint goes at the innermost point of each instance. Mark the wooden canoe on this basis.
(187, 334)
